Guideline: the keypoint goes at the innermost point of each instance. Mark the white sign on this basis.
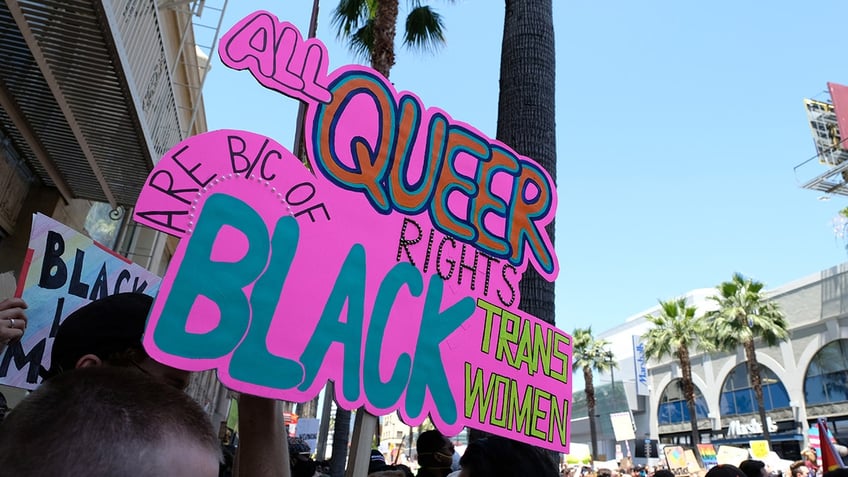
(640, 364)
(622, 426)
(307, 429)
(752, 427)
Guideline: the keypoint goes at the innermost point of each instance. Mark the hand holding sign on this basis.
(13, 320)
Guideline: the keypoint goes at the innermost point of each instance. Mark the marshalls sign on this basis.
(393, 270)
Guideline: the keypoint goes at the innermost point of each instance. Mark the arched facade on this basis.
(826, 379)
(673, 408)
(738, 397)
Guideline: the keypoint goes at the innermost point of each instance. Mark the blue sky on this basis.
(678, 128)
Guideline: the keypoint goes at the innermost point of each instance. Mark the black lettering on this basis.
(53, 251)
(190, 172)
(309, 211)
(170, 217)
(310, 194)
(238, 153)
(15, 353)
(265, 161)
(168, 187)
(404, 242)
(138, 288)
(123, 276)
(471, 268)
(57, 317)
(256, 160)
(77, 287)
(510, 285)
(100, 289)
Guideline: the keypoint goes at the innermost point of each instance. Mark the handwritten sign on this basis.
(393, 271)
(64, 270)
(708, 455)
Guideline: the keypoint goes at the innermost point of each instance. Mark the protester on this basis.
(754, 468)
(435, 454)
(798, 469)
(300, 459)
(13, 320)
(106, 421)
(725, 470)
(109, 332)
(499, 457)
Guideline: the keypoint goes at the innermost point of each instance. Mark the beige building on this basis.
(804, 378)
(92, 93)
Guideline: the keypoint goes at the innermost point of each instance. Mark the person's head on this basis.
(604, 473)
(109, 332)
(377, 462)
(434, 450)
(754, 468)
(799, 469)
(725, 470)
(499, 457)
(300, 458)
(663, 473)
(106, 421)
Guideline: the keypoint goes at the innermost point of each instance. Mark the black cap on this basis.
(105, 327)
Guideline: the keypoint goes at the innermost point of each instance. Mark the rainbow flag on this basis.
(831, 459)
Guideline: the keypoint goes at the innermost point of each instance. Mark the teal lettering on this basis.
(428, 372)
(383, 395)
(251, 361)
(349, 288)
(221, 282)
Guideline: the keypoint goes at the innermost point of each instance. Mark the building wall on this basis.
(817, 312)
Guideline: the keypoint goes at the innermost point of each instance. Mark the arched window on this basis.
(737, 395)
(673, 407)
(827, 374)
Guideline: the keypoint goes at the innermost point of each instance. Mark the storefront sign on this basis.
(750, 428)
(640, 364)
(393, 270)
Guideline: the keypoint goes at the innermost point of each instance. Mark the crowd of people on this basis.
(106, 408)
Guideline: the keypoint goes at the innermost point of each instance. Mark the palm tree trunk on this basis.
(341, 439)
(590, 408)
(757, 384)
(526, 119)
(689, 394)
(385, 26)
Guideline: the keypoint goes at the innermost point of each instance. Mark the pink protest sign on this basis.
(393, 270)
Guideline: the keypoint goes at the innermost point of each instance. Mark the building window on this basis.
(737, 395)
(827, 375)
(673, 407)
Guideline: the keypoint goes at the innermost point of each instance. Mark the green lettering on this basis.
(562, 375)
(559, 420)
(491, 310)
(501, 390)
(541, 348)
(519, 408)
(506, 336)
(539, 414)
(474, 394)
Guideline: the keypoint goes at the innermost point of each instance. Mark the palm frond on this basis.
(350, 15)
(424, 29)
(361, 42)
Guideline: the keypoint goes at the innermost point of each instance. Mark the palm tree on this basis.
(370, 27)
(590, 354)
(675, 331)
(526, 119)
(744, 314)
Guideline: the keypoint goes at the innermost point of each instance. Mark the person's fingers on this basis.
(16, 313)
(12, 303)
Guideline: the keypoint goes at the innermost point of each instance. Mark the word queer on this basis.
(402, 156)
